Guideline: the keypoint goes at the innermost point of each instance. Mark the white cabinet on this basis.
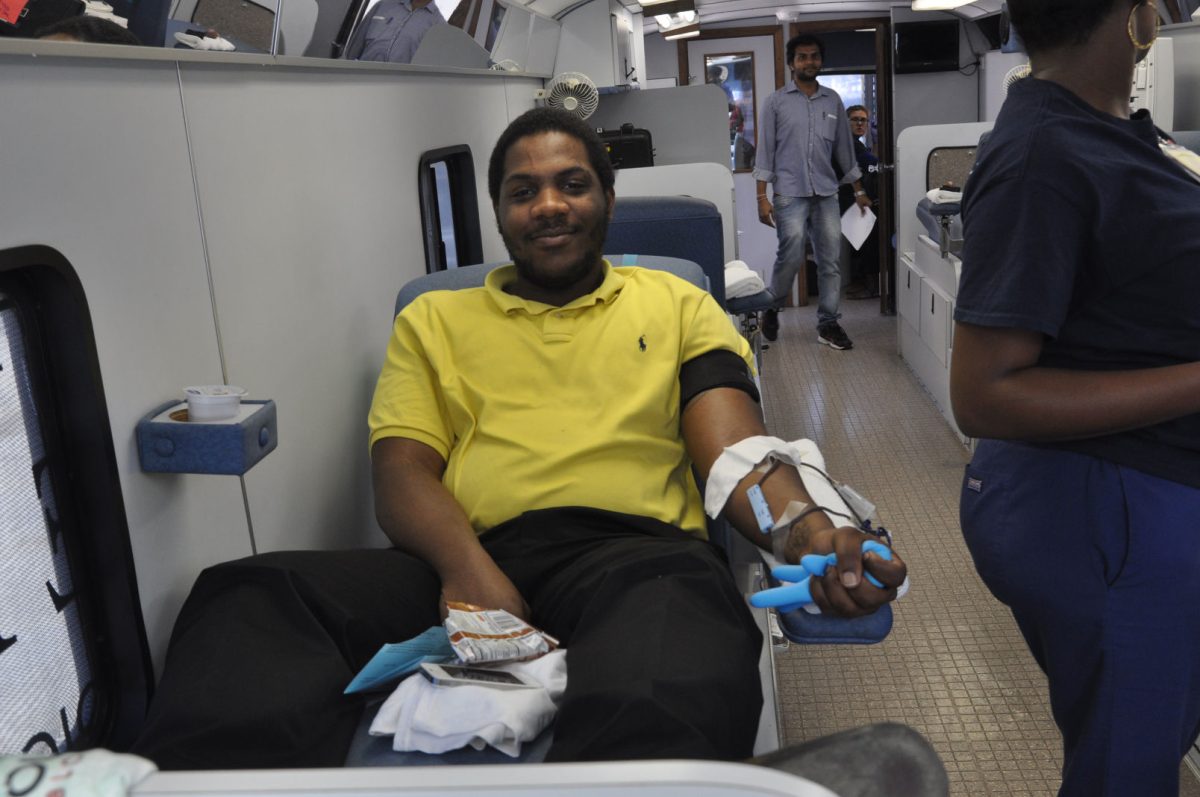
(925, 311)
(908, 291)
(936, 309)
(597, 39)
(940, 271)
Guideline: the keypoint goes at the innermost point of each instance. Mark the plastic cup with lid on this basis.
(213, 402)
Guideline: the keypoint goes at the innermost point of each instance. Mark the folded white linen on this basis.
(435, 719)
(741, 280)
(218, 43)
(940, 196)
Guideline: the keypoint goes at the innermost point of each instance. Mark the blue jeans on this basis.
(1100, 565)
(793, 215)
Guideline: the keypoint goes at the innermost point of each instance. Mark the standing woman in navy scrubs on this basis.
(1077, 363)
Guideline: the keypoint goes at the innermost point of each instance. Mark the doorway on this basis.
(858, 65)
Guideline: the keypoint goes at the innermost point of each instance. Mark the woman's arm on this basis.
(997, 390)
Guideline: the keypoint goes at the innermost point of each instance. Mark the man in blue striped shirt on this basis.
(393, 30)
(804, 133)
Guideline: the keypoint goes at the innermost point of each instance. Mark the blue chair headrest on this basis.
(672, 226)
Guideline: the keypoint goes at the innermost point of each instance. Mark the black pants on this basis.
(662, 651)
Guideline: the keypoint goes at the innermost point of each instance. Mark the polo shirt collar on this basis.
(498, 278)
(792, 87)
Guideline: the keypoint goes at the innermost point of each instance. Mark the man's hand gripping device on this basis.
(793, 596)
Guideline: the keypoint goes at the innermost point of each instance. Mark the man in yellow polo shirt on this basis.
(532, 446)
(532, 440)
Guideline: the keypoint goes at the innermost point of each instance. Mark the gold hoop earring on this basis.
(1129, 26)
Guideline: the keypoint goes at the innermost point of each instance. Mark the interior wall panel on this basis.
(94, 164)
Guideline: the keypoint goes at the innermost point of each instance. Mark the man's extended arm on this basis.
(421, 517)
(723, 416)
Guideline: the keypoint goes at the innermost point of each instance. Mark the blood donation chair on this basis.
(855, 762)
(777, 627)
(374, 751)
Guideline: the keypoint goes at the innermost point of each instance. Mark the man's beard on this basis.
(574, 272)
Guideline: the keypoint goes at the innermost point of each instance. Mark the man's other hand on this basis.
(843, 590)
(863, 201)
(486, 587)
(766, 212)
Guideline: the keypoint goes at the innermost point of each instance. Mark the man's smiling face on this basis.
(553, 215)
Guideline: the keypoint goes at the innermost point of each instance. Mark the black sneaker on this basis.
(834, 336)
(770, 324)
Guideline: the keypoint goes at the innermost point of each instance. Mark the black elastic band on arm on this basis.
(716, 368)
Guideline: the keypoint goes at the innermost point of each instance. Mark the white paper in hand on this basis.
(856, 225)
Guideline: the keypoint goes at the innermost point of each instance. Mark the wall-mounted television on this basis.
(926, 46)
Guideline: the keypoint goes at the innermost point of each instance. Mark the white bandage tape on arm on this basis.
(742, 457)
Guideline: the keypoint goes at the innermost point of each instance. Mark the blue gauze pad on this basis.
(398, 659)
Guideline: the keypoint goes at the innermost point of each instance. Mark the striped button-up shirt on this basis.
(392, 32)
(801, 138)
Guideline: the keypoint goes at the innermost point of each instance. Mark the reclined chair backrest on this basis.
(949, 165)
(672, 226)
(75, 669)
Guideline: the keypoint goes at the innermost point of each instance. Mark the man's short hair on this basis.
(1045, 26)
(854, 108)
(89, 29)
(803, 39)
(549, 120)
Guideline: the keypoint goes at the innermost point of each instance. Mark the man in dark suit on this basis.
(864, 264)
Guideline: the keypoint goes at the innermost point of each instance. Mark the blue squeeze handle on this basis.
(793, 596)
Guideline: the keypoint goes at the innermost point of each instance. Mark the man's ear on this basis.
(611, 196)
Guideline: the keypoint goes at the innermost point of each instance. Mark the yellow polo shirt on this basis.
(535, 406)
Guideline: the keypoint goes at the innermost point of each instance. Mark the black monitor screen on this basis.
(927, 46)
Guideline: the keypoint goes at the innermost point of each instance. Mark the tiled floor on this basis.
(955, 666)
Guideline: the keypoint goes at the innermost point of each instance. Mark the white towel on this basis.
(435, 719)
(205, 42)
(940, 196)
(739, 459)
(741, 280)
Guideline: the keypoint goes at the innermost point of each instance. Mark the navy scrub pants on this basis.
(662, 652)
(1100, 565)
